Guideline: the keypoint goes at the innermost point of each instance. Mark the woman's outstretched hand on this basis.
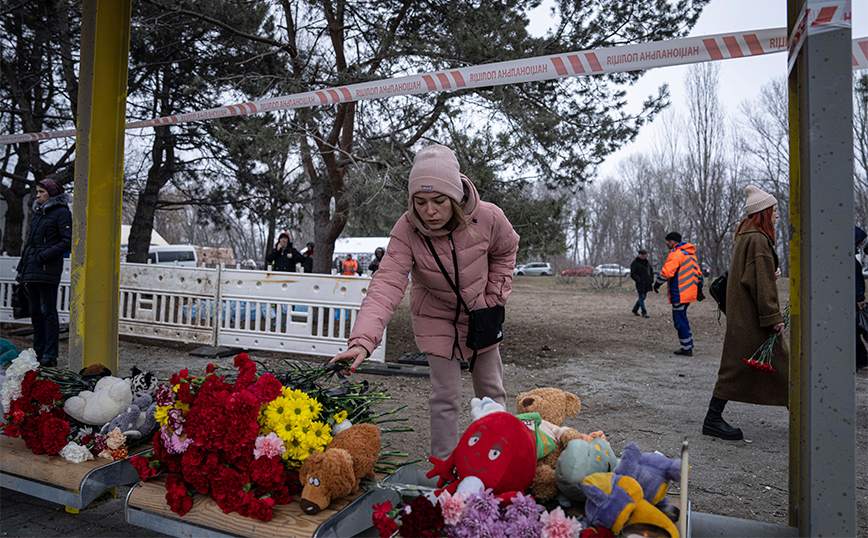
(355, 355)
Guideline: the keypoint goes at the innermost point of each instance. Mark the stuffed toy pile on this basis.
(634, 493)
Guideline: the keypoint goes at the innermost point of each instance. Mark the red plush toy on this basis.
(498, 449)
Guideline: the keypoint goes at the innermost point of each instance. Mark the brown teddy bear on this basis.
(336, 472)
(554, 407)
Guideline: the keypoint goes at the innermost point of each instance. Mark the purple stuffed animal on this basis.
(653, 471)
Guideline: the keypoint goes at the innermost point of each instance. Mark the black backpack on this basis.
(718, 291)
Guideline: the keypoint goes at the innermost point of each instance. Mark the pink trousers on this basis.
(445, 401)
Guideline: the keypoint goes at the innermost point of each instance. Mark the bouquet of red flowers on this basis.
(242, 441)
(36, 415)
(761, 360)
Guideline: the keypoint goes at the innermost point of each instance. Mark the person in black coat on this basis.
(307, 264)
(41, 265)
(379, 252)
(284, 256)
(861, 351)
(642, 272)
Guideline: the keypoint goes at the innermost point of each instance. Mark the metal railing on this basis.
(264, 310)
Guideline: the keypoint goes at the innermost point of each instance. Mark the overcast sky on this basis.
(740, 79)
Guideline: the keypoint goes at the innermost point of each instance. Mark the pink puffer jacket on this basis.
(485, 264)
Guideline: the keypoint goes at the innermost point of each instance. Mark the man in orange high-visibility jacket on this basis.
(349, 266)
(682, 272)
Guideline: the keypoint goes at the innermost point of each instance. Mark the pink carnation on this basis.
(556, 524)
(268, 446)
(452, 507)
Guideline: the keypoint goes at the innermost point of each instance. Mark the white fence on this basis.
(291, 312)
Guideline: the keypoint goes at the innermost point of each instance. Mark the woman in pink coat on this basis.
(445, 207)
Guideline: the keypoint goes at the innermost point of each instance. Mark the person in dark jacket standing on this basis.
(861, 351)
(379, 252)
(41, 265)
(642, 272)
(284, 256)
(307, 264)
(753, 313)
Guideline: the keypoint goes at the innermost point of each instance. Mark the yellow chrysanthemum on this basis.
(340, 417)
(176, 388)
(299, 411)
(319, 434)
(162, 414)
(182, 407)
(315, 407)
(293, 393)
(276, 412)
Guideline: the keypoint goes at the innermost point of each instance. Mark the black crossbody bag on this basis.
(485, 326)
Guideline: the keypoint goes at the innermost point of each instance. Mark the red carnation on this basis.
(386, 525)
(267, 388)
(423, 520)
(143, 467)
(210, 368)
(53, 432)
(46, 392)
(261, 509)
(27, 384)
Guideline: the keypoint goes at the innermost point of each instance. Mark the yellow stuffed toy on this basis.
(336, 472)
(553, 406)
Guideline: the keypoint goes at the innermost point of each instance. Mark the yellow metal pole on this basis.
(796, 433)
(99, 183)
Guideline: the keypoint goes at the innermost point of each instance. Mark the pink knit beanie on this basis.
(435, 169)
(757, 200)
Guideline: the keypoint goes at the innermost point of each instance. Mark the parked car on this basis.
(534, 269)
(706, 270)
(579, 270)
(183, 255)
(611, 269)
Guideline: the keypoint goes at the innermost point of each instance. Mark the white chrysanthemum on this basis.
(82, 433)
(22, 364)
(75, 453)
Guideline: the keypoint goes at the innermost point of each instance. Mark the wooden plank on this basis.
(20, 461)
(288, 520)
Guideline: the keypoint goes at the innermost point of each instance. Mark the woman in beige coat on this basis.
(753, 313)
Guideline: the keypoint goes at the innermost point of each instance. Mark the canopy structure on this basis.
(359, 246)
(156, 238)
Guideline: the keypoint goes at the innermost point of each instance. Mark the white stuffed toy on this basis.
(110, 397)
(485, 406)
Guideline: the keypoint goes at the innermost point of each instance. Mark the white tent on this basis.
(359, 246)
(156, 239)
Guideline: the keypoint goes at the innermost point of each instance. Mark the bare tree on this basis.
(765, 142)
(710, 192)
(860, 146)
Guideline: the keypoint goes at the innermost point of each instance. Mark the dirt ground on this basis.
(585, 340)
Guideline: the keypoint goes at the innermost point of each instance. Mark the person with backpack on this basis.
(684, 277)
(643, 274)
(453, 245)
(753, 313)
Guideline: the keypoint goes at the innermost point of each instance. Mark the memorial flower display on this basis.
(33, 400)
(471, 515)
(241, 441)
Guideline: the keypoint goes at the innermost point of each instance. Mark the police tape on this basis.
(817, 18)
(572, 64)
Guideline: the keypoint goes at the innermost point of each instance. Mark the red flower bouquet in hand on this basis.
(761, 360)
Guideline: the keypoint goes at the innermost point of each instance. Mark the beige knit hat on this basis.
(757, 200)
(435, 169)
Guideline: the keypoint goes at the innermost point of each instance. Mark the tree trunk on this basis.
(162, 167)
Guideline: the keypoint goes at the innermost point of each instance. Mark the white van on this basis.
(183, 255)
